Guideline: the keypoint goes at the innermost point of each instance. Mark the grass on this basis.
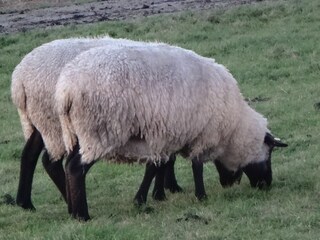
(272, 49)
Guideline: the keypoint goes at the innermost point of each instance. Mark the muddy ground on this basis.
(23, 20)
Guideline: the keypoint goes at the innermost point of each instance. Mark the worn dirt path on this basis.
(23, 20)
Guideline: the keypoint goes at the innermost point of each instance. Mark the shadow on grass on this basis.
(7, 199)
(189, 216)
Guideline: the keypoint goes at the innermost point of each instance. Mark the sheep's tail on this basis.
(19, 99)
(63, 107)
(69, 136)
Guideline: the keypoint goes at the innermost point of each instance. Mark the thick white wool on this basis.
(146, 102)
(34, 81)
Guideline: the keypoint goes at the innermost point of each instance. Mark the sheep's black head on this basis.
(260, 173)
(227, 177)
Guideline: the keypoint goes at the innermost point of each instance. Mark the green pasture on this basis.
(273, 49)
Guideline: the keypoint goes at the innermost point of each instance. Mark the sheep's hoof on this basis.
(142, 206)
(174, 189)
(145, 209)
(139, 201)
(202, 197)
(81, 214)
(81, 218)
(27, 206)
(159, 196)
(262, 185)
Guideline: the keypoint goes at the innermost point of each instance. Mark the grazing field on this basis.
(272, 48)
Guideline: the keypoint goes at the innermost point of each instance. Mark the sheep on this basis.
(37, 71)
(145, 103)
(33, 85)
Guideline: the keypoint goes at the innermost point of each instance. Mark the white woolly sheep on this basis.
(33, 86)
(147, 102)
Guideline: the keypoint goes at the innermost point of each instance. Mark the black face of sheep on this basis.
(260, 173)
(227, 178)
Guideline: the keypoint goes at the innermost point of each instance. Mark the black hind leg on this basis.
(141, 195)
(77, 200)
(71, 155)
(29, 158)
(170, 181)
(158, 190)
(56, 172)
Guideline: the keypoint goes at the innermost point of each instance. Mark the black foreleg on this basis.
(158, 190)
(197, 168)
(170, 181)
(29, 158)
(56, 172)
(76, 187)
(141, 196)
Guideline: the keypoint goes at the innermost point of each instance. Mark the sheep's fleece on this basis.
(34, 81)
(147, 102)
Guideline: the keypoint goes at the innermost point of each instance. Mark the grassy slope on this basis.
(273, 51)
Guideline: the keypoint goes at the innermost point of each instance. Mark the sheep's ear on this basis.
(272, 141)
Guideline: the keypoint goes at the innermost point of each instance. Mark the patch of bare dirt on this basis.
(23, 20)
